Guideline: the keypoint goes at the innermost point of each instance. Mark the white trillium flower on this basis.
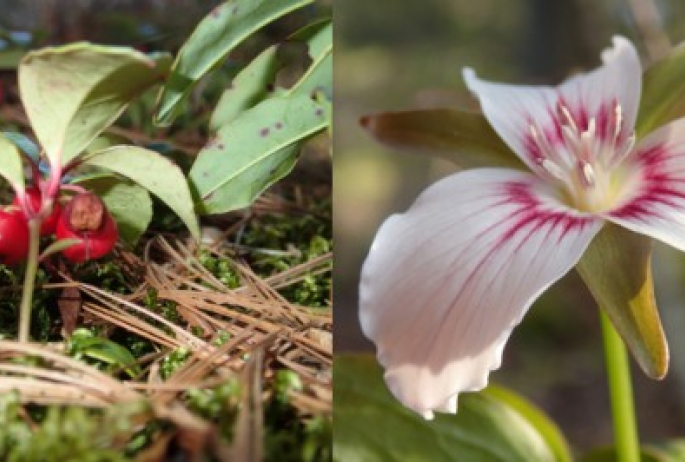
(485, 243)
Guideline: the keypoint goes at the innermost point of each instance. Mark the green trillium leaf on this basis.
(663, 93)
(616, 267)
(73, 92)
(465, 138)
(370, 425)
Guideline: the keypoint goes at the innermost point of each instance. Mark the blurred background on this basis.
(403, 54)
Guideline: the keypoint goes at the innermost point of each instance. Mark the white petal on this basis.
(445, 283)
(656, 206)
(510, 109)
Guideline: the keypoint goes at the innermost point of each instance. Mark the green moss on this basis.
(172, 361)
(66, 433)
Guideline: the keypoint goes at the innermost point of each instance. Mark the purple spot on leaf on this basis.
(319, 112)
(279, 125)
(264, 132)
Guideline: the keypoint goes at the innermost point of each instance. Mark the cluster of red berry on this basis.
(83, 217)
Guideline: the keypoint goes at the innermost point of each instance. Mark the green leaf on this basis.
(319, 76)
(155, 173)
(370, 425)
(675, 449)
(465, 138)
(616, 267)
(24, 143)
(647, 454)
(129, 204)
(71, 93)
(254, 151)
(247, 89)
(109, 352)
(58, 246)
(663, 93)
(10, 58)
(217, 35)
(535, 417)
(10, 164)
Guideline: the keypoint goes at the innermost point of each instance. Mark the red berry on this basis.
(85, 217)
(14, 237)
(47, 227)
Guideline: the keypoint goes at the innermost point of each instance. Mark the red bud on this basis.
(85, 217)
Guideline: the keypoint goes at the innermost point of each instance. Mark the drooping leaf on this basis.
(248, 88)
(217, 34)
(155, 173)
(107, 351)
(370, 425)
(663, 93)
(252, 152)
(10, 164)
(465, 138)
(129, 203)
(616, 267)
(73, 92)
(319, 76)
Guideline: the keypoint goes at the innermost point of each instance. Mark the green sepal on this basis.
(465, 138)
(663, 93)
(616, 268)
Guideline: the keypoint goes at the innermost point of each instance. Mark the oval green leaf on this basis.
(108, 352)
(319, 76)
(10, 164)
(73, 92)
(465, 138)
(153, 172)
(370, 425)
(129, 203)
(663, 93)
(247, 89)
(254, 151)
(617, 269)
(217, 34)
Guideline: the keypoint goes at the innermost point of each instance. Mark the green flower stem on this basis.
(29, 280)
(621, 392)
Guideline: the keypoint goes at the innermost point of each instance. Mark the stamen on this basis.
(553, 169)
(588, 174)
(622, 152)
(566, 117)
(618, 115)
(585, 152)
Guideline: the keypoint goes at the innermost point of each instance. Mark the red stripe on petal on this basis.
(535, 212)
(660, 187)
